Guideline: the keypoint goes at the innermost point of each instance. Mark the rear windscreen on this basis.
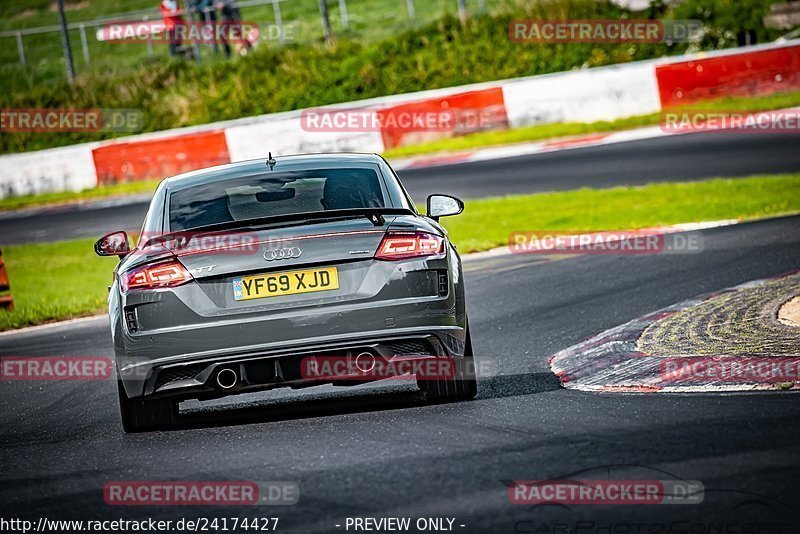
(250, 197)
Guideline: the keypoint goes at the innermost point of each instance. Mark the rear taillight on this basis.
(167, 274)
(400, 246)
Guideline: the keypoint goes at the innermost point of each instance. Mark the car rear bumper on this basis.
(195, 376)
(406, 300)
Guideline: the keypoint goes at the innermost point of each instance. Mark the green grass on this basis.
(443, 53)
(124, 189)
(72, 284)
(370, 20)
(520, 135)
(62, 280)
(533, 133)
(487, 223)
(382, 53)
(548, 131)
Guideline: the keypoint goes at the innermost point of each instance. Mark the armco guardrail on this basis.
(603, 93)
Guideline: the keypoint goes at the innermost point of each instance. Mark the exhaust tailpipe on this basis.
(227, 378)
(365, 362)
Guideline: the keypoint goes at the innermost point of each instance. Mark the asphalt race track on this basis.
(676, 158)
(379, 451)
(664, 159)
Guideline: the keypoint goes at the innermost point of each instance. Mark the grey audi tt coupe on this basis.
(292, 271)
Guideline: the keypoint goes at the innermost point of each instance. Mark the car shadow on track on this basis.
(497, 387)
(288, 409)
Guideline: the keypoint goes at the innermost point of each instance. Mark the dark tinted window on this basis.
(249, 197)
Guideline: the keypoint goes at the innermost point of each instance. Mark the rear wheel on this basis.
(462, 385)
(140, 415)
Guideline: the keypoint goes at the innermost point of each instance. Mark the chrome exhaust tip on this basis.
(227, 378)
(365, 362)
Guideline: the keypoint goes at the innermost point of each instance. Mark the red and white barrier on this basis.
(46, 171)
(471, 111)
(762, 71)
(586, 95)
(125, 161)
(286, 136)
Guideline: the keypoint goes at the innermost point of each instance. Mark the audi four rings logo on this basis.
(282, 254)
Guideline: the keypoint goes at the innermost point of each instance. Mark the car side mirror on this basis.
(113, 244)
(443, 206)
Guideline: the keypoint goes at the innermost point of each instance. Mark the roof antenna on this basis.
(271, 161)
(376, 218)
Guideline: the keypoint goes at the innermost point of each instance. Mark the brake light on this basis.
(168, 274)
(400, 246)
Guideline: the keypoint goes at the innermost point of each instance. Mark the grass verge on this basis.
(487, 223)
(74, 281)
(441, 53)
(72, 284)
(549, 131)
(473, 141)
(46, 199)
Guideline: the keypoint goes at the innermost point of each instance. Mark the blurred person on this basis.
(207, 14)
(232, 18)
(173, 19)
(229, 10)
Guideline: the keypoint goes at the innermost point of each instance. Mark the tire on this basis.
(463, 385)
(142, 415)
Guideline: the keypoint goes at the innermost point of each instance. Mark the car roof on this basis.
(255, 166)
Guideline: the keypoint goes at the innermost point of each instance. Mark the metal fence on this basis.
(40, 53)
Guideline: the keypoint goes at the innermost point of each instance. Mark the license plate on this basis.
(285, 283)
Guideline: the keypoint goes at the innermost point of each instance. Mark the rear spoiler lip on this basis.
(373, 214)
(192, 252)
(419, 224)
(140, 256)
